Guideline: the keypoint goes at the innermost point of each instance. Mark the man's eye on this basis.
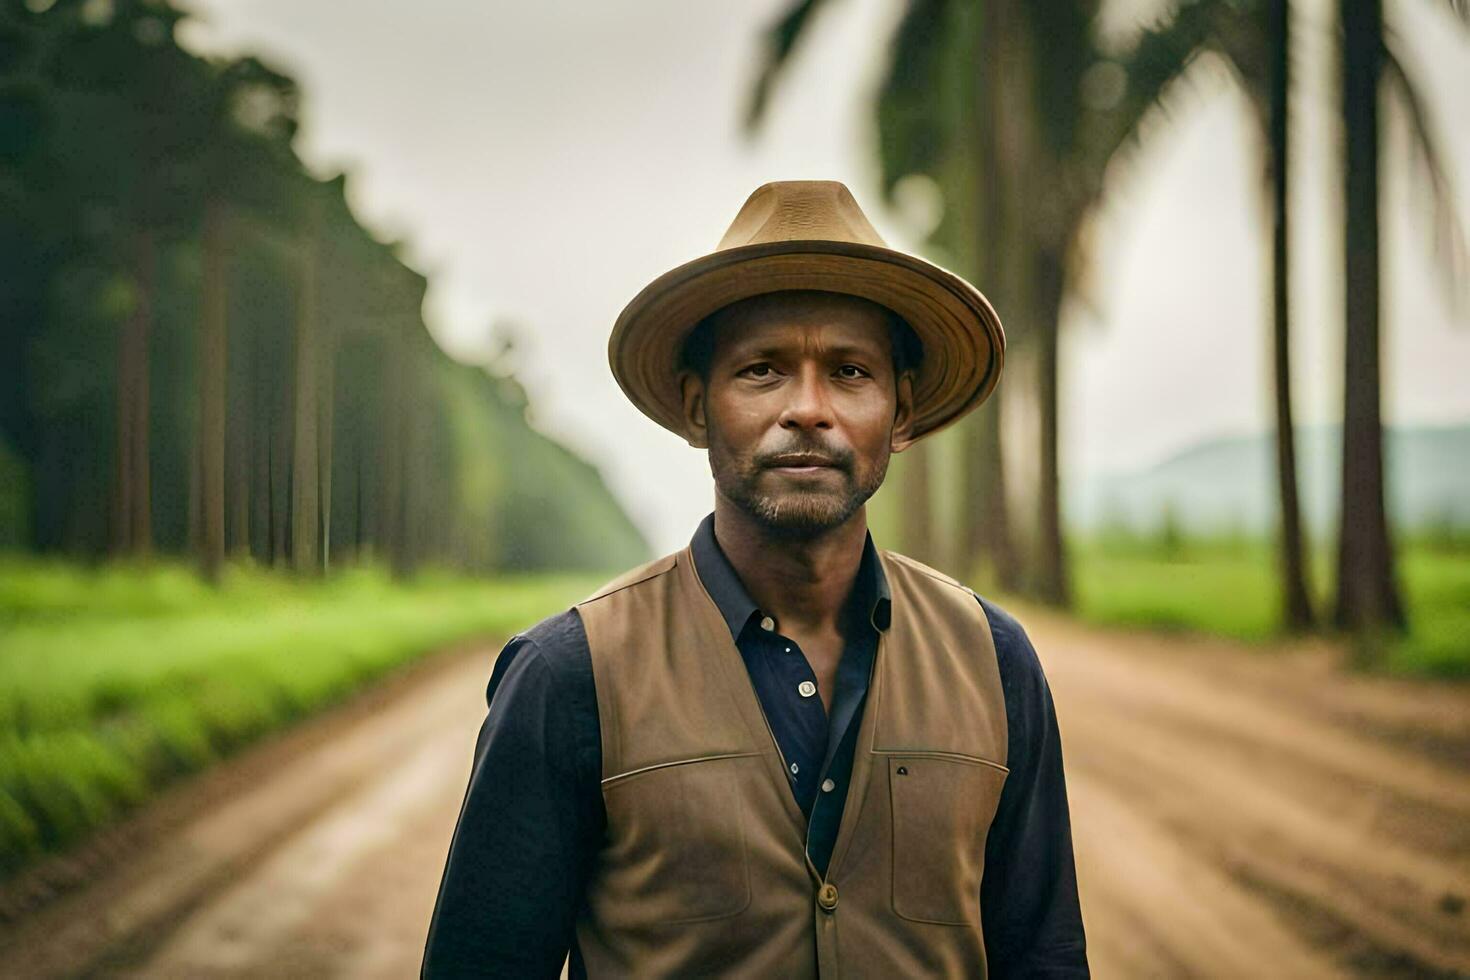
(757, 370)
(850, 371)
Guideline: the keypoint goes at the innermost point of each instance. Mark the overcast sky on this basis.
(546, 160)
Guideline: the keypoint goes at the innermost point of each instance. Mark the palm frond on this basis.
(1447, 232)
(777, 44)
(1064, 31)
(1153, 68)
(913, 131)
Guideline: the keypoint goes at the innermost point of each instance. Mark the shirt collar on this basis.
(736, 605)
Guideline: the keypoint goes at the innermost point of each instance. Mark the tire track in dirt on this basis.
(1233, 815)
(1361, 846)
(272, 875)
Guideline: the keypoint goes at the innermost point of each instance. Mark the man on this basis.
(780, 751)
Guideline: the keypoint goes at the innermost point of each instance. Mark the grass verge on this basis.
(1230, 588)
(117, 680)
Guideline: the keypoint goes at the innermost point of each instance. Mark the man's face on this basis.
(801, 409)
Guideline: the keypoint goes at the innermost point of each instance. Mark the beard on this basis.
(793, 510)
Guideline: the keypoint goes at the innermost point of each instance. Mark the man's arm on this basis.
(1028, 898)
(513, 881)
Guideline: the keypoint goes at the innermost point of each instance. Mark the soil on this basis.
(1235, 812)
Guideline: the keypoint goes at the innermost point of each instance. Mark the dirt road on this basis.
(1234, 815)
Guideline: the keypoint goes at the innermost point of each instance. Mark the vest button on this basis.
(827, 897)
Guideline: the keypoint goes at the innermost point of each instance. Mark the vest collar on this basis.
(720, 580)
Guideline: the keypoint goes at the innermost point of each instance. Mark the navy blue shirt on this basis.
(816, 749)
(532, 821)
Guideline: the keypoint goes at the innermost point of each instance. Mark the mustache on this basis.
(805, 453)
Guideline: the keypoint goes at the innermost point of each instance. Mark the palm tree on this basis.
(1296, 594)
(916, 529)
(1254, 40)
(926, 108)
(1052, 140)
(1367, 593)
(974, 99)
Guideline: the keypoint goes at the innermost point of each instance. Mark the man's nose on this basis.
(807, 405)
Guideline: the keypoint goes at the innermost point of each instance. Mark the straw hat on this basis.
(811, 234)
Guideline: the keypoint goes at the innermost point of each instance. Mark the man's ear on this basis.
(691, 391)
(903, 415)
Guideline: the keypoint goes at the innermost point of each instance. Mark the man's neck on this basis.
(803, 582)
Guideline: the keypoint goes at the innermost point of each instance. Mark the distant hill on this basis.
(1229, 484)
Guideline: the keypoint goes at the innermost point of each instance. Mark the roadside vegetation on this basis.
(116, 680)
(1229, 587)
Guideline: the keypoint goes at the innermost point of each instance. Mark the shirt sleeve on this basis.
(514, 877)
(1028, 897)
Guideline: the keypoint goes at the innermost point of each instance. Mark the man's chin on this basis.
(802, 514)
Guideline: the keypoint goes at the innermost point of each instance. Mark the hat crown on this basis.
(810, 235)
(800, 210)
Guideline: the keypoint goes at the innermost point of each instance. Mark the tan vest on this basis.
(704, 868)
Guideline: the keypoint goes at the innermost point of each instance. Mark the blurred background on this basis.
(305, 408)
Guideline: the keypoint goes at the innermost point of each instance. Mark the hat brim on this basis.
(964, 344)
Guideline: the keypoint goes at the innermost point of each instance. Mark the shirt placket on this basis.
(811, 750)
(792, 686)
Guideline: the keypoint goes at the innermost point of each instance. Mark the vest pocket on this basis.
(942, 807)
(676, 839)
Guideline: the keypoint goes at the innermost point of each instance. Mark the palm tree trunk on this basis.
(917, 509)
(1296, 600)
(985, 532)
(1367, 595)
(1051, 582)
(212, 358)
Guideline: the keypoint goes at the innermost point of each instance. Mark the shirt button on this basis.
(795, 769)
(768, 624)
(807, 689)
(828, 786)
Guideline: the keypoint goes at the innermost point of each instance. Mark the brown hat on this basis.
(811, 234)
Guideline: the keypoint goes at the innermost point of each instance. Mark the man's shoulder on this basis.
(1005, 627)
(559, 642)
(634, 576)
(562, 636)
(1021, 674)
(555, 648)
(1017, 658)
(556, 636)
(902, 562)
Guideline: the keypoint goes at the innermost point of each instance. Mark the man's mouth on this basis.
(798, 463)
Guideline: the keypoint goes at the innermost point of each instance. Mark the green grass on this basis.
(1229, 588)
(115, 681)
